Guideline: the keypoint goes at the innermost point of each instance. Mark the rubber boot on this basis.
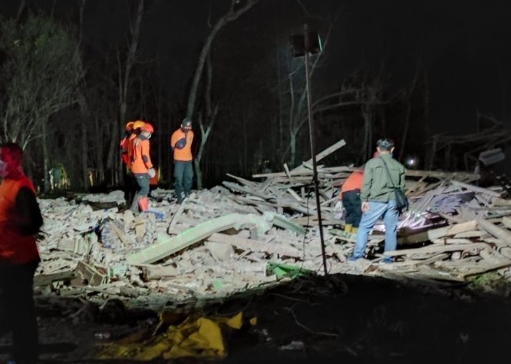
(143, 203)
(347, 228)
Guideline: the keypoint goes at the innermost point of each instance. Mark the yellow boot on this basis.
(354, 230)
(347, 228)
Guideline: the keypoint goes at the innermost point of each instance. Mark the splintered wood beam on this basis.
(341, 143)
(438, 249)
(502, 234)
(476, 188)
(441, 174)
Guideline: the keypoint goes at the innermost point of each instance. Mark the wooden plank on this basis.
(485, 268)
(295, 195)
(452, 229)
(341, 143)
(441, 175)
(445, 241)
(155, 272)
(414, 263)
(475, 188)
(47, 279)
(87, 275)
(503, 235)
(437, 249)
(255, 245)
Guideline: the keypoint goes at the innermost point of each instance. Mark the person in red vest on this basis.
(20, 221)
(142, 167)
(181, 145)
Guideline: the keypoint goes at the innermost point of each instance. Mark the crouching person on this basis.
(20, 221)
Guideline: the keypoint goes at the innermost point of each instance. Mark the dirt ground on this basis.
(346, 319)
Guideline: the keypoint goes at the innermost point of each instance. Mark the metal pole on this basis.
(311, 135)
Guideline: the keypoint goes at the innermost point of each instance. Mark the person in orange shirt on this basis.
(181, 145)
(132, 185)
(20, 221)
(142, 167)
(350, 195)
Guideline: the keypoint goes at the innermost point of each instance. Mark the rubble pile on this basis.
(249, 234)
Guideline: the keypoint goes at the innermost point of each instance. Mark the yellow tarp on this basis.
(201, 337)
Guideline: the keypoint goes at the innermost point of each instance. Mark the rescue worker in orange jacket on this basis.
(181, 145)
(350, 195)
(142, 167)
(124, 143)
(129, 181)
(137, 126)
(133, 186)
(20, 221)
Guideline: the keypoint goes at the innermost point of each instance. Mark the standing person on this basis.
(124, 142)
(350, 196)
(133, 186)
(128, 178)
(142, 167)
(20, 221)
(181, 144)
(378, 199)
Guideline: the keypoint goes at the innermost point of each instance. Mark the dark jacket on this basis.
(376, 185)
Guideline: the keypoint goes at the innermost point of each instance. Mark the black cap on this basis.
(385, 144)
(186, 122)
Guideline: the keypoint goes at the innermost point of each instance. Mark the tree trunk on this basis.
(292, 149)
(112, 162)
(85, 116)
(46, 157)
(231, 15)
(408, 115)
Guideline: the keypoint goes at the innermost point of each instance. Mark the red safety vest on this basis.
(14, 247)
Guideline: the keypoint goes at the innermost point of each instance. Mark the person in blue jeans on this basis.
(378, 199)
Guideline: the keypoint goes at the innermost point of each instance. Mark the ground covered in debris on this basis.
(343, 317)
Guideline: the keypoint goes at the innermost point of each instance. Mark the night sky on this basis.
(463, 44)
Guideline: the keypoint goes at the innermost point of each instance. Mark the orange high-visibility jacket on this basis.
(141, 158)
(14, 247)
(185, 154)
(353, 182)
(124, 150)
(130, 149)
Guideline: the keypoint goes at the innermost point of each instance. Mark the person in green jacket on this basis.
(378, 199)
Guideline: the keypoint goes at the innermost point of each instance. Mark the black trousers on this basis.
(351, 202)
(17, 310)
